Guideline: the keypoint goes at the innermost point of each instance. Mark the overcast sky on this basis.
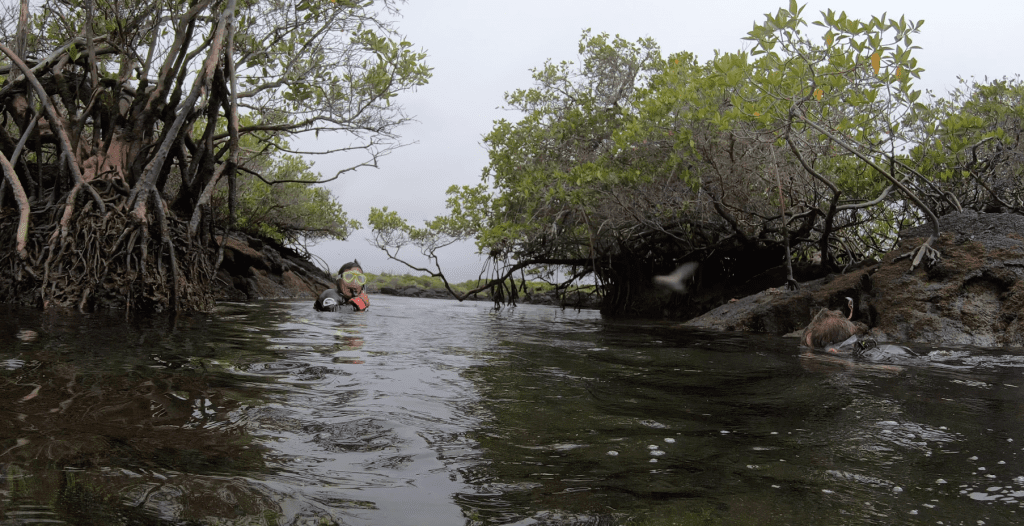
(481, 49)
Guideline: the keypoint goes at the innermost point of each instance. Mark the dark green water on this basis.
(428, 412)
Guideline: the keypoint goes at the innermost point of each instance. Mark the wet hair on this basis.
(828, 326)
(350, 265)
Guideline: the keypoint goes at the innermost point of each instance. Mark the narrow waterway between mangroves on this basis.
(433, 412)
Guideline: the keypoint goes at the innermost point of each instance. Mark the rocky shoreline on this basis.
(974, 295)
(253, 270)
(256, 270)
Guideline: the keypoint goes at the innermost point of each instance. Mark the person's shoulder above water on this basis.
(329, 300)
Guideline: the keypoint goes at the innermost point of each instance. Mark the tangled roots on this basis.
(104, 261)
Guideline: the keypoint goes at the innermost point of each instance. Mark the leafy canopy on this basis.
(625, 163)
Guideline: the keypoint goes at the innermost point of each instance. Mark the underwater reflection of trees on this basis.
(72, 436)
(143, 422)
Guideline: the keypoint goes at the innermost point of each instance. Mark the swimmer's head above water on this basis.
(829, 328)
(350, 280)
(348, 290)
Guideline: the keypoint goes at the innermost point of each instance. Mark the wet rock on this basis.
(974, 295)
(254, 269)
(239, 256)
(291, 280)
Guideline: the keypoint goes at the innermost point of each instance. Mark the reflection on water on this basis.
(427, 412)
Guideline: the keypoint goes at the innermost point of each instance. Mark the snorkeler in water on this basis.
(835, 333)
(348, 290)
(830, 327)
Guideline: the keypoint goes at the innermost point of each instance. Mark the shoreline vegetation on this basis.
(802, 156)
(257, 268)
(535, 292)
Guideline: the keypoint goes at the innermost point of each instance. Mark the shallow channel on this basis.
(434, 412)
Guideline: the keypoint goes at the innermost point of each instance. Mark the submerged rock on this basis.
(974, 295)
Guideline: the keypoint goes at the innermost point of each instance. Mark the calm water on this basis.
(428, 412)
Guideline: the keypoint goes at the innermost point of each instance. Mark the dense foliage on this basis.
(120, 120)
(282, 200)
(286, 208)
(812, 147)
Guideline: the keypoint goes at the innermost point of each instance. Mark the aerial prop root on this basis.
(23, 207)
(925, 252)
(166, 240)
(55, 123)
(72, 259)
(99, 257)
(69, 210)
(146, 201)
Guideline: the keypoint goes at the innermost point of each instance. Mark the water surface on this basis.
(433, 412)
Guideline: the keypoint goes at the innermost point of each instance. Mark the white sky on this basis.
(481, 49)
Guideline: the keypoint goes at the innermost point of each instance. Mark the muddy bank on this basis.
(974, 295)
